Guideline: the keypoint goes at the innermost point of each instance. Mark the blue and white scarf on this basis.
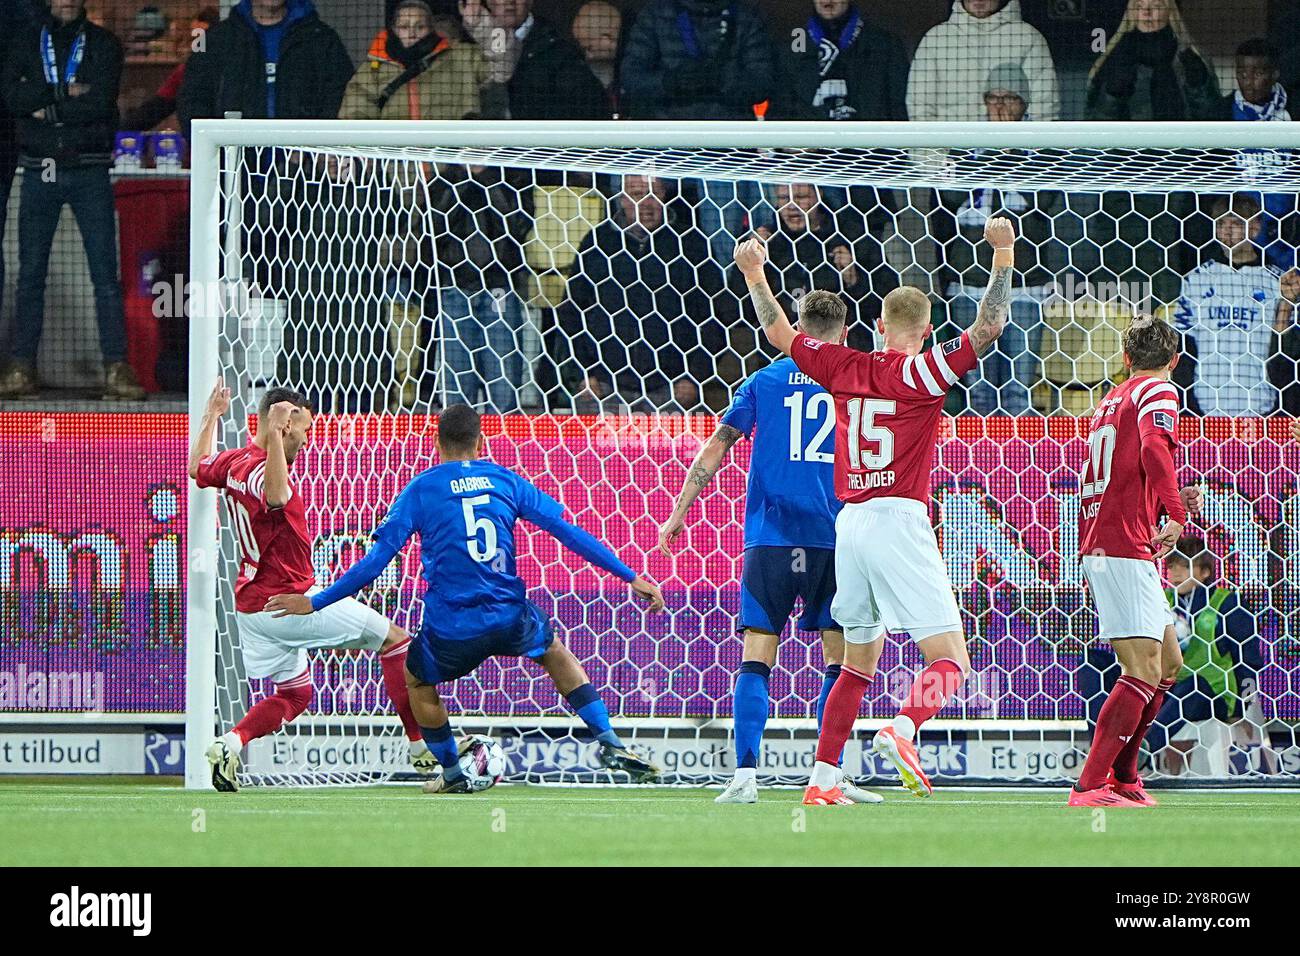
(1274, 110)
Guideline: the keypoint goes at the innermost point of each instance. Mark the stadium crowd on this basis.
(628, 281)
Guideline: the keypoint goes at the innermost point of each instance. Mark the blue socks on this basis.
(443, 746)
(749, 711)
(828, 681)
(588, 705)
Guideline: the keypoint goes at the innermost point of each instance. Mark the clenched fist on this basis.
(999, 233)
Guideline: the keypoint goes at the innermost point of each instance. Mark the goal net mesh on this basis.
(583, 299)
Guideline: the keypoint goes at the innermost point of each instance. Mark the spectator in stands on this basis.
(1259, 96)
(1151, 69)
(956, 57)
(543, 73)
(163, 103)
(1221, 652)
(685, 399)
(269, 59)
(61, 81)
(1284, 368)
(598, 30)
(639, 297)
(597, 396)
(1013, 366)
(1230, 311)
(417, 69)
(703, 60)
(813, 248)
(481, 216)
(16, 16)
(844, 68)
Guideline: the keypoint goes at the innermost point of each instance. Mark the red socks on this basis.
(1117, 726)
(841, 711)
(393, 661)
(269, 714)
(1126, 764)
(931, 690)
(292, 697)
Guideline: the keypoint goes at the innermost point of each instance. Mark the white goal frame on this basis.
(210, 136)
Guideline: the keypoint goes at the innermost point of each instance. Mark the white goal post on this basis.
(268, 196)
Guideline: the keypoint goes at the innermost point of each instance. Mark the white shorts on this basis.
(276, 647)
(1129, 599)
(889, 574)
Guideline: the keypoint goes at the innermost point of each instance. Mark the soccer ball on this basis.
(482, 761)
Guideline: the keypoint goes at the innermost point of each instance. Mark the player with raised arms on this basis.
(1128, 480)
(790, 509)
(464, 509)
(888, 571)
(269, 519)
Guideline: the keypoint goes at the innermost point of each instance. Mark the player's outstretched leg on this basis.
(268, 715)
(435, 727)
(946, 666)
(1117, 723)
(392, 659)
(862, 646)
(833, 655)
(572, 681)
(1124, 777)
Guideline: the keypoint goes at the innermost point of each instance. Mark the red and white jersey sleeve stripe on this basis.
(1154, 395)
(939, 368)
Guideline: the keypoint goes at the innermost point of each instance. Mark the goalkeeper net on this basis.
(574, 284)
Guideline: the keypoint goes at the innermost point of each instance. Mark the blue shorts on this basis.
(435, 659)
(773, 578)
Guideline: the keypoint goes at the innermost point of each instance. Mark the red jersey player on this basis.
(888, 571)
(1128, 480)
(270, 524)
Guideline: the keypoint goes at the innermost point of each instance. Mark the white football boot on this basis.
(856, 793)
(739, 791)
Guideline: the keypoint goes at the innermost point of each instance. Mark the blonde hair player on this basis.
(888, 571)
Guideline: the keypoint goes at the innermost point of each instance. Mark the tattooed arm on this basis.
(751, 256)
(992, 317)
(703, 468)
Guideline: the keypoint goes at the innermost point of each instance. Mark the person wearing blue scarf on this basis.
(845, 69)
(1261, 97)
(61, 82)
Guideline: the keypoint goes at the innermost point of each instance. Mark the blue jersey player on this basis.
(790, 511)
(464, 510)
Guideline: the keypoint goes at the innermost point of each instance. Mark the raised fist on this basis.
(999, 233)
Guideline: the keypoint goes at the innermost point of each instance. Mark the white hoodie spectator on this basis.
(956, 57)
(1230, 307)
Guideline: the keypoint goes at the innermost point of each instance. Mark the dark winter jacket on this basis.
(311, 72)
(680, 63)
(1147, 77)
(75, 130)
(642, 300)
(480, 222)
(799, 262)
(871, 64)
(552, 79)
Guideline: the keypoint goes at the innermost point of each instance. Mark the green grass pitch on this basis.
(127, 821)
